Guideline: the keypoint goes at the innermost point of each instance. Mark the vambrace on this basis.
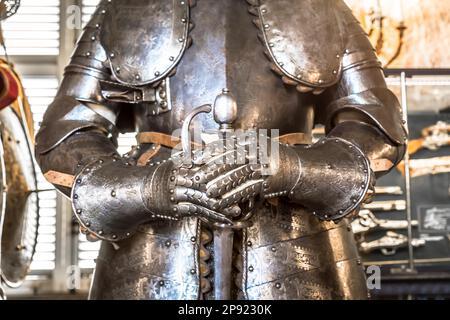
(331, 177)
(377, 147)
(71, 135)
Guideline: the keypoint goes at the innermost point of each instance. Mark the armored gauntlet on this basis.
(331, 178)
(112, 197)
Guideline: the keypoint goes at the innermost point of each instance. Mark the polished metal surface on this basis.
(291, 255)
(293, 53)
(160, 262)
(150, 52)
(226, 53)
(285, 252)
(20, 224)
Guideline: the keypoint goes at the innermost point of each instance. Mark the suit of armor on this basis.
(142, 65)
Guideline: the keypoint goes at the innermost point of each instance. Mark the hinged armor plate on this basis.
(287, 38)
(156, 44)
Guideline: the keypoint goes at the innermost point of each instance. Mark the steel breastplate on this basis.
(223, 51)
(226, 53)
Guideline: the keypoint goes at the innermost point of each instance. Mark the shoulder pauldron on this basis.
(303, 39)
(144, 39)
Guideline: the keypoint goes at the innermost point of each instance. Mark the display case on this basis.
(409, 220)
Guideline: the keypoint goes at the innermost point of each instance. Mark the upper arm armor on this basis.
(362, 89)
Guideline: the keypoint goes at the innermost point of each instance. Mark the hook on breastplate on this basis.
(225, 114)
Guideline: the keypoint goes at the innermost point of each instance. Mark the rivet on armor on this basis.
(193, 271)
(172, 199)
(171, 58)
(193, 239)
(100, 233)
(103, 11)
(338, 56)
(114, 236)
(113, 193)
(175, 209)
(168, 243)
(184, 20)
(349, 228)
(87, 224)
(161, 283)
(251, 269)
(249, 243)
(101, 161)
(359, 262)
(79, 211)
(88, 54)
(93, 38)
(112, 55)
(118, 69)
(180, 39)
(172, 178)
(278, 285)
(264, 10)
(334, 72)
(137, 77)
(75, 196)
(128, 234)
(171, 191)
(273, 249)
(97, 25)
(78, 181)
(157, 73)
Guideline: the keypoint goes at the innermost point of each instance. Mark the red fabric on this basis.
(9, 88)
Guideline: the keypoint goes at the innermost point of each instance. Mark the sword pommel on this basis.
(225, 110)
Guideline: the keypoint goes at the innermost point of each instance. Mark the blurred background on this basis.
(405, 231)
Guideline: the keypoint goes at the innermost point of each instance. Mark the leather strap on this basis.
(171, 142)
(145, 158)
(158, 138)
(60, 179)
(381, 165)
(296, 138)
